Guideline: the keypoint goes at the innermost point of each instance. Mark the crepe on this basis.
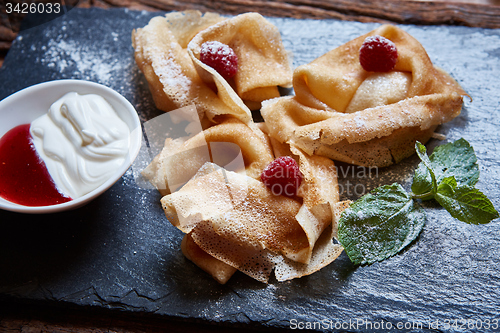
(348, 114)
(177, 78)
(231, 144)
(219, 270)
(263, 62)
(232, 221)
(160, 50)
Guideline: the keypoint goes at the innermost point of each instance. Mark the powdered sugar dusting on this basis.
(77, 53)
(360, 122)
(97, 65)
(170, 75)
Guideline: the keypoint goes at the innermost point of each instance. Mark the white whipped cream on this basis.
(82, 141)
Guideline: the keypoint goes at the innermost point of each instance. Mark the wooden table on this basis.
(473, 13)
(479, 13)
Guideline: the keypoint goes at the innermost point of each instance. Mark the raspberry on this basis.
(282, 176)
(220, 57)
(378, 54)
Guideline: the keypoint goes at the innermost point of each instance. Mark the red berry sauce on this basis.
(24, 178)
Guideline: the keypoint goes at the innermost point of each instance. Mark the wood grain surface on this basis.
(473, 13)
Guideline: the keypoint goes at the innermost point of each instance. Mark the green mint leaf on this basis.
(447, 182)
(452, 159)
(380, 224)
(422, 183)
(421, 186)
(465, 203)
(422, 154)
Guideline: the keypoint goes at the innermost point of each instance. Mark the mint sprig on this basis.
(455, 159)
(386, 220)
(453, 172)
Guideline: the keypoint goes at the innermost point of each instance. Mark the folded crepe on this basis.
(366, 118)
(232, 144)
(232, 221)
(263, 62)
(161, 53)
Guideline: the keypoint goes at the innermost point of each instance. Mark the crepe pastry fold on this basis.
(232, 221)
(179, 160)
(263, 62)
(177, 78)
(348, 114)
(161, 54)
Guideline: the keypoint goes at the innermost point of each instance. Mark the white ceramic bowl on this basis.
(30, 103)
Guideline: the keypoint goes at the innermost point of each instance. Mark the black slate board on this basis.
(119, 252)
